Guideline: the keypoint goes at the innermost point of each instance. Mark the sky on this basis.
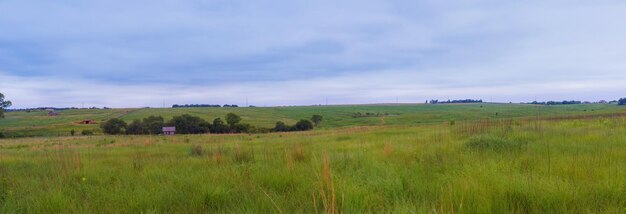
(114, 53)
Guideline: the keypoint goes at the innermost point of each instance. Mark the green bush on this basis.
(154, 124)
(137, 127)
(281, 127)
(188, 124)
(114, 126)
(303, 125)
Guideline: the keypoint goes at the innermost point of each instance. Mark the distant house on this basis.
(53, 113)
(169, 130)
(87, 122)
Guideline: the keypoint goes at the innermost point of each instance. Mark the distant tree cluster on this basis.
(455, 101)
(621, 101)
(203, 106)
(188, 124)
(3, 104)
(570, 102)
(302, 125)
(564, 102)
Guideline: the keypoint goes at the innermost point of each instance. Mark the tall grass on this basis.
(575, 165)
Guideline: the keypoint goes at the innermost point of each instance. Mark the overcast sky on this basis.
(283, 52)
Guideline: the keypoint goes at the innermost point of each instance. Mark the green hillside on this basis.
(37, 123)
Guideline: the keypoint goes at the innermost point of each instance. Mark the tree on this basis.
(621, 102)
(187, 124)
(219, 127)
(281, 127)
(232, 119)
(154, 124)
(137, 127)
(303, 125)
(113, 126)
(241, 128)
(3, 104)
(317, 119)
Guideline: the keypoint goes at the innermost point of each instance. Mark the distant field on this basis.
(23, 124)
(533, 165)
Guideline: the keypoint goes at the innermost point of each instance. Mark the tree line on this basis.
(564, 102)
(188, 124)
(455, 101)
(621, 101)
(203, 106)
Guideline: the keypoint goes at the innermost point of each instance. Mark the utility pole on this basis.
(326, 100)
(247, 102)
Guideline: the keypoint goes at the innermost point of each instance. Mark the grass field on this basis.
(23, 124)
(538, 159)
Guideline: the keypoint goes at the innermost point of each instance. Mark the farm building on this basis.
(53, 113)
(169, 130)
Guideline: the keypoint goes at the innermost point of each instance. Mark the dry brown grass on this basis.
(328, 196)
(388, 149)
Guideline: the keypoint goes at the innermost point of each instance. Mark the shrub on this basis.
(303, 125)
(281, 127)
(113, 126)
(2, 135)
(86, 132)
(241, 128)
(187, 124)
(154, 124)
(219, 127)
(621, 102)
(72, 132)
(136, 128)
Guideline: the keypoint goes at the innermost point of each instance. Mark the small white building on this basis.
(170, 130)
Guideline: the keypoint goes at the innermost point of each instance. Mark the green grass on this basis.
(22, 124)
(510, 165)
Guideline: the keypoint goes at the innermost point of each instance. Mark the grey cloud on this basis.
(378, 49)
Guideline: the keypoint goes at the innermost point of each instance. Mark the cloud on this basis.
(376, 87)
(130, 54)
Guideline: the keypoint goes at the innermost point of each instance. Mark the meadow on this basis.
(427, 159)
(37, 123)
